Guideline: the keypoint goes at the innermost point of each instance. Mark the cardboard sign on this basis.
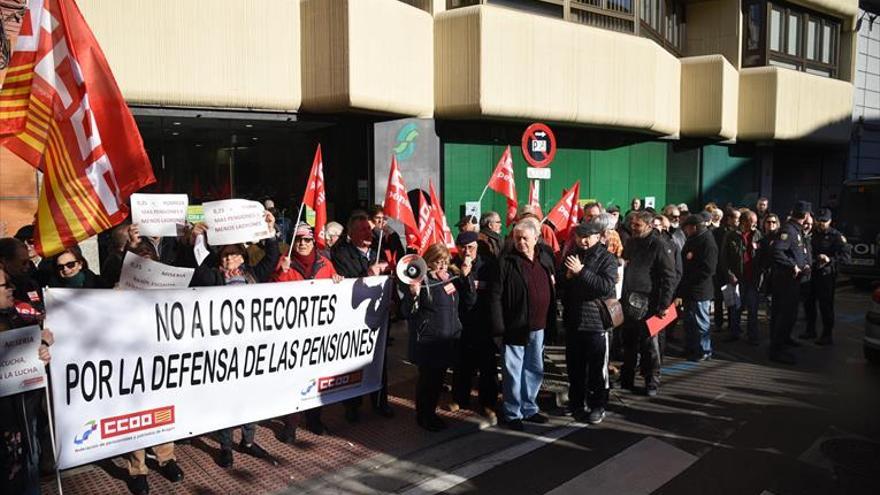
(144, 273)
(20, 367)
(235, 221)
(158, 215)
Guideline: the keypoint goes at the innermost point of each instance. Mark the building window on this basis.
(783, 35)
(664, 22)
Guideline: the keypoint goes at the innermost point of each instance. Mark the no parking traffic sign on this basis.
(538, 145)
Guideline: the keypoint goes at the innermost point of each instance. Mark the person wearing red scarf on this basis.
(305, 263)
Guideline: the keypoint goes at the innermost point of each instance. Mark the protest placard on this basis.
(20, 367)
(235, 221)
(158, 215)
(144, 273)
(176, 363)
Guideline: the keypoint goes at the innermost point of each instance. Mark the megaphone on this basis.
(411, 268)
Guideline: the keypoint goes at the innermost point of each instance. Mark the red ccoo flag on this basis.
(533, 199)
(442, 226)
(397, 204)
(502, 182)
(427, 224)
(315, 197)
(62, 112)
(563, 215)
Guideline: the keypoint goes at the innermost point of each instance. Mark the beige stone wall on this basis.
(221, 53)
(367, 55)
(714, 27)
(551, 70)
(709, 97)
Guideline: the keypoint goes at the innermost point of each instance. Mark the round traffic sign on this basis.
(538, 145)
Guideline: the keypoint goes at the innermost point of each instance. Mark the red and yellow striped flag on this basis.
(62, 112)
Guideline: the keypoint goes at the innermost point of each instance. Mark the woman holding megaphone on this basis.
(431, 306)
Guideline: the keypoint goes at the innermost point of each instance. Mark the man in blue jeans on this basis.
(522, 307)
(740, 262)
(699, 258)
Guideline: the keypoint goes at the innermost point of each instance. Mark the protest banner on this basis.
(132, 369)
(144, 273)
(235, 221)
(158, 215)
(20, 368)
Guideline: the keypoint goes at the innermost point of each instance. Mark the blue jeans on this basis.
(522, 373)
(748, 301)
(696, 327)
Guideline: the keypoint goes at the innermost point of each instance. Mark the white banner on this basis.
(20, 367)
(158, 215)
(132, 369)
(235, 221)
(144, 273)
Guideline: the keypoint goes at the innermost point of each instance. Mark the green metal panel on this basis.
(728, 178)
(647, 172)
(683, 177)
(609, 177)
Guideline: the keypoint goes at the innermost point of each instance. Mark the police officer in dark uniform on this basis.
(789, 253)
(829, 250)
(806, 277)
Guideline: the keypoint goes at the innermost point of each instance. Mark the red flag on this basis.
(533, 198)
(397, 204)
(62, 112)
(502, 182)
(442, 227)
(427, 224)
(315, 197)
(562, 216)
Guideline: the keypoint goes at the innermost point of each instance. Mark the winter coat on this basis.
(649, 271)
(92, 281)
(208, 274)
(509, 298)
(349, 261)
(473, 309)
(733, 253)
(434, 325)
(699, 259)
(581, 294)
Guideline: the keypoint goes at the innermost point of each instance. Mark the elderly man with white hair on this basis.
(522, 307)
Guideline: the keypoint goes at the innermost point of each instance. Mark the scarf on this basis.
(306, 263)
(76, 281)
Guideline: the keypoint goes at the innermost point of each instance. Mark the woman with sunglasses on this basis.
(229, 266)
(72, 271)
(431, 306)
(305, 263)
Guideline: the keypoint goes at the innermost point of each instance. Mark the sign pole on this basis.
(295, 225)
(51, 415)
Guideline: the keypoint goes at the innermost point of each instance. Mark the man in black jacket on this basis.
(588, 277)
(356, 257)
(648, 287)
(739, 259)
(729, 224)
(699, 259)
(523, 307)
(476, 346)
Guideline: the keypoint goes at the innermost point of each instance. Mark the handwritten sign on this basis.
(234, 221)
(158, 215)
(144, 273)
(20, 368)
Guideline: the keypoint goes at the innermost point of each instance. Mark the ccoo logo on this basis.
(90, 427)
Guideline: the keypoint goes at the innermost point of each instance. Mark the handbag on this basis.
(611, 312)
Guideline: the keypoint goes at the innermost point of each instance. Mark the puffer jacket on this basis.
(434, 325)
(580, 294)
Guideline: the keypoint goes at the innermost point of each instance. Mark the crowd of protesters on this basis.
(492, 299)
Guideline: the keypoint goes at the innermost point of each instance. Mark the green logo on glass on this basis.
(405, 146)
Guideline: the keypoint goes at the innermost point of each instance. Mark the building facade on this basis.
(680, 101)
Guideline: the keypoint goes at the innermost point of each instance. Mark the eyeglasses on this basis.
(70, 265)
(306, 240)
(675, 217)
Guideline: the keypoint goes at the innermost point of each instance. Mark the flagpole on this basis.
(52, 436)
(295, 225)
(379, 248)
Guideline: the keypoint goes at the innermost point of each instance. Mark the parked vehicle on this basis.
(858, 220)
(872, 329)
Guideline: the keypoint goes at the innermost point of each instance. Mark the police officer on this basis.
(829, 250)
(789, 253)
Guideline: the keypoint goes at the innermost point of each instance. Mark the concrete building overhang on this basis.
(709, 97)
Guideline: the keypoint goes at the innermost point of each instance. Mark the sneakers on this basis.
(537, 418)
(225, 460)
(652, 389)
(138, 485)
(596, 416)
(171, 471)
